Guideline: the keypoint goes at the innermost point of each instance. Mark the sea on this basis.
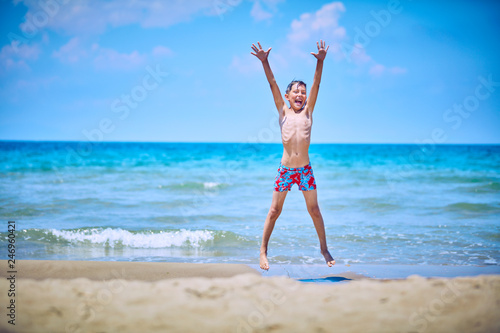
(207, 202)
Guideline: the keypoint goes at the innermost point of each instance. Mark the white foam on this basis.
(490, 261)
(113, 237)
(210, 184)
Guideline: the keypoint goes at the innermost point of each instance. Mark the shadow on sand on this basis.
(328, 279)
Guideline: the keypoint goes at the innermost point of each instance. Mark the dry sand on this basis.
(234, 298)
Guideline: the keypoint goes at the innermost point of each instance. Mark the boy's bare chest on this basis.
(296, 125)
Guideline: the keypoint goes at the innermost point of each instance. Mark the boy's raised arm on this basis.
(313, 95)
(262, 55)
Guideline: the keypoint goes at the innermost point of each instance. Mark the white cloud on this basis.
(94, 16)
(111, 59)
(221, 7)
(309, 28)
(245, 65)
(75, 51)
(16, 55)
(359, 56)
(161, 51)
(323, 24)
(250, 65)
(398, 70)
(365, 63)
(377, 70)
(258, 13)
(35, 83)
(71, 52)
(264, 9)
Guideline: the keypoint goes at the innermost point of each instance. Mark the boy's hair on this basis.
(299, 82)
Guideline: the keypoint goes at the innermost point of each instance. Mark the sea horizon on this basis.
(263, 143)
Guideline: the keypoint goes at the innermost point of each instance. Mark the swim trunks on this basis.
(286, 177)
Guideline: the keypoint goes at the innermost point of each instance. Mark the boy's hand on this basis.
(321, 50)
(259, 52)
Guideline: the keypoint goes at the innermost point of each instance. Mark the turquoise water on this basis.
(206, 202)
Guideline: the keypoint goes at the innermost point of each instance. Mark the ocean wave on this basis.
(470, 178)
(194, 186)
(377, 205)
(466, 207)
(111, 237)
(491, 187)
(145, 239)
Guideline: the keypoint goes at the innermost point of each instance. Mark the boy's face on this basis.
(297, 96)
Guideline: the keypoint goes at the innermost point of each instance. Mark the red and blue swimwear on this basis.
(286, 177)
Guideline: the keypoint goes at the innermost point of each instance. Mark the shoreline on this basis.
(322, 273)
(156, 271)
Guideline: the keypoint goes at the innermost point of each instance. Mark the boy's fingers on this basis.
(259, 45)
(327, 48)
(269, 50)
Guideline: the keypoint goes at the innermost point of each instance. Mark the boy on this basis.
(295, 168)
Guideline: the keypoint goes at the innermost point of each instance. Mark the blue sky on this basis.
(396, 72)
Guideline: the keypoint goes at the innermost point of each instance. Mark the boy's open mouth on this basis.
(298, 102)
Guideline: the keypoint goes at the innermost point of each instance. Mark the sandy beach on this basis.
(80, 296)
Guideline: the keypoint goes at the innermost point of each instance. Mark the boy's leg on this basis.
(311, 198)
(272, 216)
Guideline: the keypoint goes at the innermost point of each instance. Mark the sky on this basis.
(397, 71)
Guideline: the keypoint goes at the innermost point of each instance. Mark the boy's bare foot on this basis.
(264, 264)
(328, 258)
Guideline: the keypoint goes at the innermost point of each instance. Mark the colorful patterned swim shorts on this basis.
(286, 177)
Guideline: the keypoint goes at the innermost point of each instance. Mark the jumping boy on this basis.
(295, 168)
